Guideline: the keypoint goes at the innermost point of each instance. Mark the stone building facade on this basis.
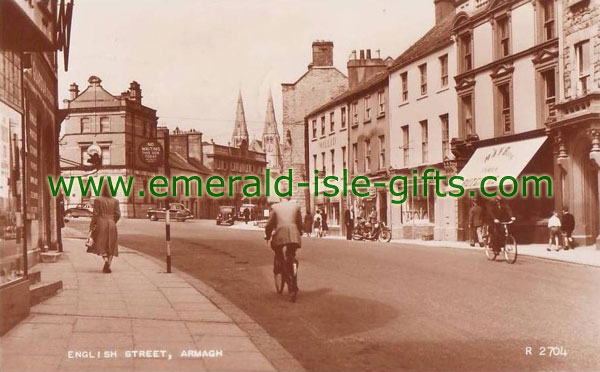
(320, 83)
(576, 129)
(118, 125)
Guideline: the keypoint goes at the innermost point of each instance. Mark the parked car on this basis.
(177, 211)
(80, 210)
(226, 215)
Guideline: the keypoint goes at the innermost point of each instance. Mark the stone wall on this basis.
(314, 89)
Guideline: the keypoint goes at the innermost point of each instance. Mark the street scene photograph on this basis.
(299, 186)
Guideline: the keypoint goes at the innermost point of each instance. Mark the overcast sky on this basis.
(192, 56)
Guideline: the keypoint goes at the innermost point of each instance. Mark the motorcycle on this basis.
(380, 231)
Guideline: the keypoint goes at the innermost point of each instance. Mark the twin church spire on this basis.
(270, 143)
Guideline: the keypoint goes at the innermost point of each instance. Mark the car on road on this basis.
(177, 211)
(80, 210)
(226, 215)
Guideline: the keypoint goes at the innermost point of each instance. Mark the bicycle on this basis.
(509, 248)
(282, 277)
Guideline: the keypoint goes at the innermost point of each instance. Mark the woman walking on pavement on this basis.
(308, 221)
(103, 228)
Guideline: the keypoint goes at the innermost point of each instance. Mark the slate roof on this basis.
(436, 38)
(178, 162)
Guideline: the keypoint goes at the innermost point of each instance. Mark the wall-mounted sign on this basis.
(151, 153)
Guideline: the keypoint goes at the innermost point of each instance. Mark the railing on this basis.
(550, 109)
(506, 119)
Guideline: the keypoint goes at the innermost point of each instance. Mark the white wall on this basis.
(522, 27)
(482, 45)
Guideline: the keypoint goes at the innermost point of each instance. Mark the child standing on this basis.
(554, 227)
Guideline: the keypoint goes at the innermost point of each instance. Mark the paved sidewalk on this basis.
(137, 307)
(587, 255)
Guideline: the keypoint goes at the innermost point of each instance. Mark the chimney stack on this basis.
(74, 90)
(135, 92)
(322, 54)
(443, 9)
(360, 70)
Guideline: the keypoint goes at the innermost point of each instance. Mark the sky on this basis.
(192, 57)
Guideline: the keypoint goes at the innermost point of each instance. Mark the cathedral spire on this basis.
(240, 130)
(270, 138)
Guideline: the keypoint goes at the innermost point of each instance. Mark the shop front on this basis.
(529, 157)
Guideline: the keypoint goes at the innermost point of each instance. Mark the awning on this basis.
(506, 159)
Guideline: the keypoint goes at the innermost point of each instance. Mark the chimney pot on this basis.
(368, 53)
(74, 90)
(362, 54)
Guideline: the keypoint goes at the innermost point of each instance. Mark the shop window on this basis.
(419, 210)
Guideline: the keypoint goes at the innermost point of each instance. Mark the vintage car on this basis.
(80, 210)
(177, 212)
(226, 215)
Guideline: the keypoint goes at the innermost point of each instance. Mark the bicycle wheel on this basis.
(489, 252)
(510, 249)
(385, 235)
(278, 276)
(293, 285)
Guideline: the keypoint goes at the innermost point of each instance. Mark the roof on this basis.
(177, 161)
(364, 86)
(437, 37)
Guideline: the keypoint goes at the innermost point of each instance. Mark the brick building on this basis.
(319, 84)
(118, 125)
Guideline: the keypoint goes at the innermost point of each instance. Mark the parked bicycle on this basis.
(509, 248)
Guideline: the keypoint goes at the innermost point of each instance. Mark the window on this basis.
(314, 129)
(355, 158)
(424, 141)
(332, 161)
(129, 153)
(444, 70)
(405, 142)
(445, 135)
(84, 155)
(549, 94)
(367, 156)
(423, 73)
(504, 106)
(86, 126)
(343, 115)
(344, 163)
(367, 108)
(381, 102)
(503, 37)
(466, 52)
(323, 169)
(582, 52)
(354, 113)
(404, 78)
(322, 125)
(104, 124)
(331, 121)
(468, 124)
(381, 152)
(105, 154)
(315, 162)
(548, 20)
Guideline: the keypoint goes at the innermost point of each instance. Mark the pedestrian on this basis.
(475, 223)
(103, 228)
(554, 227)
(373, 220)
(567, 227)
(349, 222)
(317, 224)
(308, 221)
(325, 227)
(246, 215)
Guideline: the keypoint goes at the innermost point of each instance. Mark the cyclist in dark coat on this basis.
(499, 212)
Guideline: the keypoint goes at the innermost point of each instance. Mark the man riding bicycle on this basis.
(499, 212)
(284, 228)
